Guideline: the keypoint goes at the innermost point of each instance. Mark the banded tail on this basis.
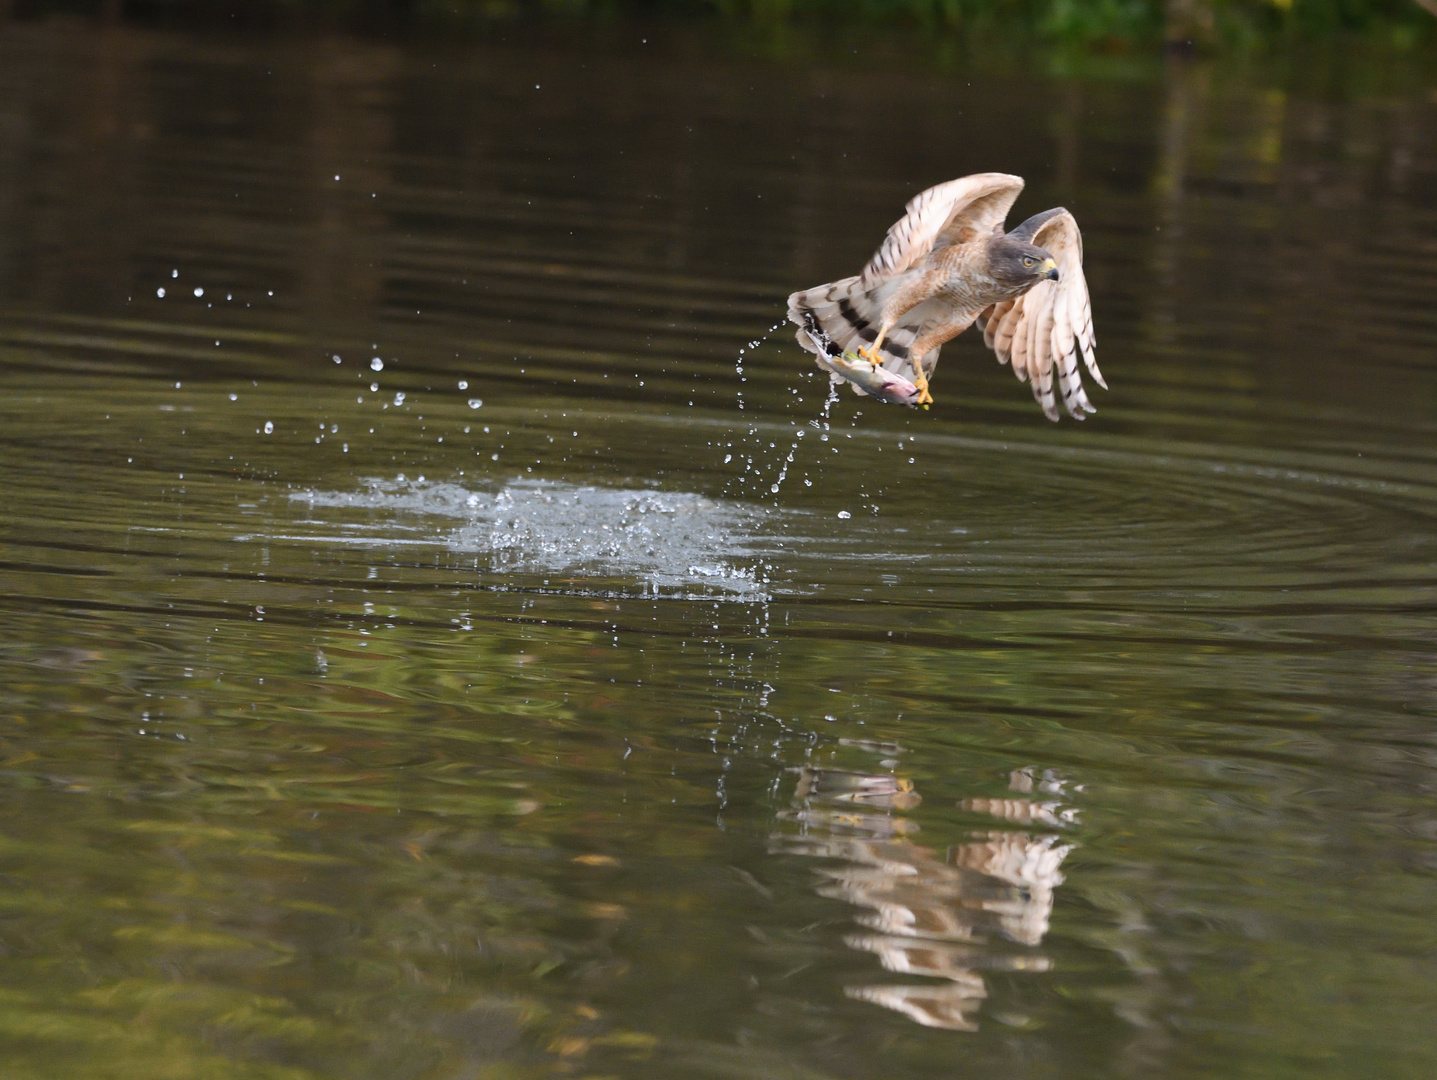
(843, 316)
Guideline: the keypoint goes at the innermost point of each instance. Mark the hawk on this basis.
(944, 266)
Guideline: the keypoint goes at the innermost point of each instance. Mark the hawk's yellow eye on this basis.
(1027, 260)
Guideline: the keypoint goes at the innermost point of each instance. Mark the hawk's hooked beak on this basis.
(1052, 270)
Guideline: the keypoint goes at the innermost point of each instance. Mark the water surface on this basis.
(408, 669)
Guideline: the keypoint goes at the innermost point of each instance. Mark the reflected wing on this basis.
(1052, 323)
(953, 213)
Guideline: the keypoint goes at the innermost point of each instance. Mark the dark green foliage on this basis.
(1102, 25)
(1094, 21)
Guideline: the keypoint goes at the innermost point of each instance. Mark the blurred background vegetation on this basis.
(1097, 25)
(1107, 23)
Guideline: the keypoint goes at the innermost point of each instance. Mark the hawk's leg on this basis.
(873, 356)
(909, 296)
(930, 340)
(920, 380)
(870, 352)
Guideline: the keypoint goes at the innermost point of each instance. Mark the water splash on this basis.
(671, 541)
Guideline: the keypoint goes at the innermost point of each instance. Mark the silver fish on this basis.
(874, 381)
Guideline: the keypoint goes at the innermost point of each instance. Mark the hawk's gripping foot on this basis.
(870, 353)
(921, 381)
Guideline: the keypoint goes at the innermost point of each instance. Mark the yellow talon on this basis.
(871, 355)
(924, 397)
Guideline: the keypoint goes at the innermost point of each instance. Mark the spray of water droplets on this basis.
(750, 466)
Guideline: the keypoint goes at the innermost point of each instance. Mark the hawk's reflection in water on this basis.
(945, 915)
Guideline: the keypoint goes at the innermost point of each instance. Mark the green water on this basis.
(508, 730)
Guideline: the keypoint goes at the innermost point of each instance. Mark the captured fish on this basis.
(876, 382)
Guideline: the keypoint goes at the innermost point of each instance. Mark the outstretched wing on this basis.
(957, 212)
(1052, 323)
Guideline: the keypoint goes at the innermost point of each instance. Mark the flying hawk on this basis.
(944, 266)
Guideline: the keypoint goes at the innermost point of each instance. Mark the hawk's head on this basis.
(1018, 264)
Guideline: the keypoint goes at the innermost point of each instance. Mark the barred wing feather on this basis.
(1043, 333)
(957, 212)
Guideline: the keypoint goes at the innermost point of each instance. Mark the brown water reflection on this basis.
(932, 913)
(407, 671)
